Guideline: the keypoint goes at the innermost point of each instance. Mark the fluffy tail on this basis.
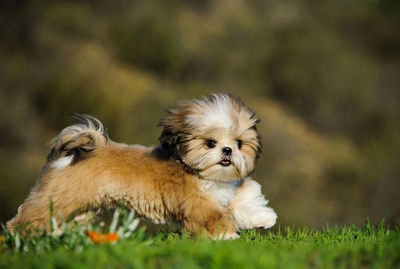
(76, 142)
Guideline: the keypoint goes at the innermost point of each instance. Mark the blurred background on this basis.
(323, 77)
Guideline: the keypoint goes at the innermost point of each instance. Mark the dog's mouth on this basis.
(225, 162)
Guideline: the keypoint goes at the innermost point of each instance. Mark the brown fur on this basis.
(152, 185)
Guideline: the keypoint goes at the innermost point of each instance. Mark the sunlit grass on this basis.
(118, 243)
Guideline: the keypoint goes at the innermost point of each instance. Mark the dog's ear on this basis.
(169, 141)
(173, 128)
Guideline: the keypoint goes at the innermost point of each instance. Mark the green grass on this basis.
(69, 246)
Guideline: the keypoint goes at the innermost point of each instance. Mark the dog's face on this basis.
(215, 136)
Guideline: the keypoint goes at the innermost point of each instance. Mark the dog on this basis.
(197, 176)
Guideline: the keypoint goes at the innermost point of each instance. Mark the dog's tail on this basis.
(77, 142)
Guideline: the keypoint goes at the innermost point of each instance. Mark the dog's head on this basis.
(215, 136)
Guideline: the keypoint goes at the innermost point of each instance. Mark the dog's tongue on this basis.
(225, 162)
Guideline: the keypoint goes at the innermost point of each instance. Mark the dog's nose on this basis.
(227, 150)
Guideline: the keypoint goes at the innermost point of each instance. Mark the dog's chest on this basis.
(223, 192)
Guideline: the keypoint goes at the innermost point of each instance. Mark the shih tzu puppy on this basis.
(197, 176)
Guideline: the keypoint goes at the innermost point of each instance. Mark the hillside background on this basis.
(323, 77)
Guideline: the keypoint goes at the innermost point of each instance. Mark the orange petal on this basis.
(96, 237)
(112, 237)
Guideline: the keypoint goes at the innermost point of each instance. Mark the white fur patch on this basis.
(62, 162)
(213, 112)
(250, 208)
(220, 113)
(223, 192)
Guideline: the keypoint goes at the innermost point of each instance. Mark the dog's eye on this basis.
(239, 143)
(211, 143)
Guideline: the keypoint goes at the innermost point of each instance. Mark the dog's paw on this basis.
(264, 218)
(250, 207)
(255, 217)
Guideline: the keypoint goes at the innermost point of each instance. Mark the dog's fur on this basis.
(198, 176)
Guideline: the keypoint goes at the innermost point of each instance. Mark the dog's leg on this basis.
(205, 216)
(249, 207)
(35, 211)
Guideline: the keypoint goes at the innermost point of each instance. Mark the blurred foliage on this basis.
(323, 78)
(72, 234)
